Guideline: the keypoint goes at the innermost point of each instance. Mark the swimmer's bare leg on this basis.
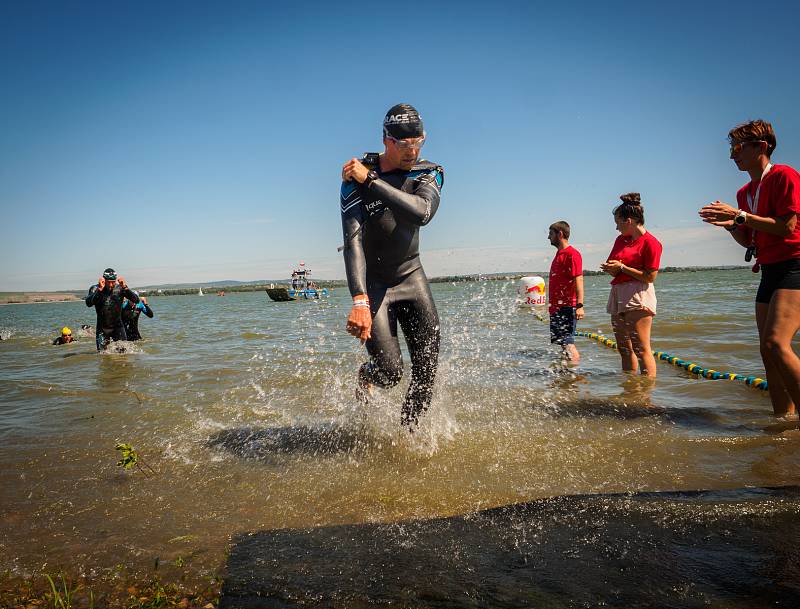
(571, 354)
(630, 363)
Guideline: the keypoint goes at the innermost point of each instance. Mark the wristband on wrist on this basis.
(360, 300)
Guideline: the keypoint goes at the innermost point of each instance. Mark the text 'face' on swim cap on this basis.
(402, 122)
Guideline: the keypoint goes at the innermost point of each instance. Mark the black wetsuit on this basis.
(130, 318)
(381, 253)
(108, 304)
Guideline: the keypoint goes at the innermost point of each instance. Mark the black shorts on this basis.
(784, 275)
(562, 326)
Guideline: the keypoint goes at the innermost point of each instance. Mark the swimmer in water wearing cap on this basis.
(106, 297)
(385, 199)
(64, 338)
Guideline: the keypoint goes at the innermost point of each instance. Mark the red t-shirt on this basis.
(566, 266)
(643, 254)
(779, 196)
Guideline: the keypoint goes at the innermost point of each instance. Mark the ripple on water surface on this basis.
(251, 424)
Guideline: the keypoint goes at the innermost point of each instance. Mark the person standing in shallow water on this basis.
(130, 316)
(385, 199)
(765, 223)
(106, 297)
(633, 263)
(566, 291)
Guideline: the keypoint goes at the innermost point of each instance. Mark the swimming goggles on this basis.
(417, 142)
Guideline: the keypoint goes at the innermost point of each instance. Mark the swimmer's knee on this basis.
(772, 346)
(624, 350)
(384, 374)
(390, 375)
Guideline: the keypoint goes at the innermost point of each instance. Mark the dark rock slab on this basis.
(735, 548)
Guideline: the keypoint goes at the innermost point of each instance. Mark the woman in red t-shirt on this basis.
(765, 223)
(633, 262)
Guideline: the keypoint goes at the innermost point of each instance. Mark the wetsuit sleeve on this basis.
(148, 311)
(93, 297)
(125, 313)
(130, 295)
(355, 262)
(420, 207)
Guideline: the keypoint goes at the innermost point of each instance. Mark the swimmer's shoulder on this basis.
(428, 172)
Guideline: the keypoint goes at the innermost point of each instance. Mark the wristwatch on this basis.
(741, 216)
(371, 177)
(579, 305)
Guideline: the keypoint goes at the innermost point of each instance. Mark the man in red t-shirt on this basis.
(765, 223)
(566, 291)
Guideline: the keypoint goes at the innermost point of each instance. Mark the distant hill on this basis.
(224, 283)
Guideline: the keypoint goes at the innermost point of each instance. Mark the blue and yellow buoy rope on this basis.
(750, 381)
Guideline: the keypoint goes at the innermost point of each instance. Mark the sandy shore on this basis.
(34, 297)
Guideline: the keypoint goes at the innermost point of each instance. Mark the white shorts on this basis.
(632, 296)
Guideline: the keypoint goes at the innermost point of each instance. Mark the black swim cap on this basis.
(403, 121)
(110, 274)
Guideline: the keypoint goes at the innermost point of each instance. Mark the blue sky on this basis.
(194, 141)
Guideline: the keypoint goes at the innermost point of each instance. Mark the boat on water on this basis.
(301, 288)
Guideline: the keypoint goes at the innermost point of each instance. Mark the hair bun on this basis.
(631, 198)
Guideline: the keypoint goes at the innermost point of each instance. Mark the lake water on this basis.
(244, 409)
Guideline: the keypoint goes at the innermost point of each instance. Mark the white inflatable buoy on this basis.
(531, 292)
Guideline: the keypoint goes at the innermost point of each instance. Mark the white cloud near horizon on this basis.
(695, 246)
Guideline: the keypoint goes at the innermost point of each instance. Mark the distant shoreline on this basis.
(19, 298)
(50, 297)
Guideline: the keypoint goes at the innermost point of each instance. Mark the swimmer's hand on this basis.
(354, 170)
(359, 322)
(612, 267)
(121, 283)
(579, 313)
(101, 283)
(718, 214)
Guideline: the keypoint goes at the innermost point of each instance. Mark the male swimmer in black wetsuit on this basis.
(384, 201)
(106, 298)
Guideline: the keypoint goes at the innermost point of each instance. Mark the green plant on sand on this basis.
(62, 596)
